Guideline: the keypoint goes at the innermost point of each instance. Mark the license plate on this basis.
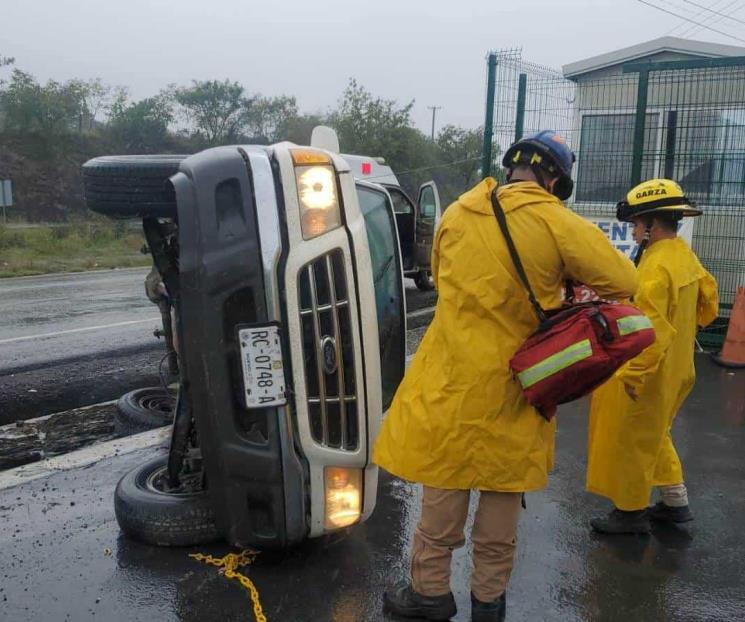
(263, 369)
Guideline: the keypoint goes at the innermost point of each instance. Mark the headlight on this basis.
(316, 188)
(343, 496)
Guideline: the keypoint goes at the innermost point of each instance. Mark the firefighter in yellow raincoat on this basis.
(630, 447)
(459, 421)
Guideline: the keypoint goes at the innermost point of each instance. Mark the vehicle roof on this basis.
(366, 168)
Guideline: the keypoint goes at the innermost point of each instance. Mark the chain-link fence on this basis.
(684, 120)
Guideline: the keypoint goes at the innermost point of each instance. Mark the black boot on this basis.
(619, 521)
(493, 611)
(670, 514)
(407, 603)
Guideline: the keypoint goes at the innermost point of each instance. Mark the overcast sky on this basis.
(429, 50)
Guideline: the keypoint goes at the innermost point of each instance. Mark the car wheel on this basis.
(145, 409)
(148, 510)
(131, 186)
(423, 281)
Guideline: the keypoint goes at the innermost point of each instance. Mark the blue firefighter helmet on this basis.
(548, 151)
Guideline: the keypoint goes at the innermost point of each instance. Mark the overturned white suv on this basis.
(285, 276)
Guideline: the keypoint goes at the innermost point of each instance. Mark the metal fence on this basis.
(684, 120)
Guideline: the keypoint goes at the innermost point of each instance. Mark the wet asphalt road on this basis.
(70, 340)
(56, 563)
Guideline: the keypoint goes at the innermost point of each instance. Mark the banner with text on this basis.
(621, 236)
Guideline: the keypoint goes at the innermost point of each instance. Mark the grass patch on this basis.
(70, 248)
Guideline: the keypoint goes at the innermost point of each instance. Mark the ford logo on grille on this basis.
(328, 353)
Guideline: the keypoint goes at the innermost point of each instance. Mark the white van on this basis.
(417, 222)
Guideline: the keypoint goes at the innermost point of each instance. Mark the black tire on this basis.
(147, 513)
(145, 409)
(131, 186)
(423, 281)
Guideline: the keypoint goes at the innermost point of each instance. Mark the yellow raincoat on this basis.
(459, 420)
(630, 447)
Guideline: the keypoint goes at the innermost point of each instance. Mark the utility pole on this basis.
(434, 110)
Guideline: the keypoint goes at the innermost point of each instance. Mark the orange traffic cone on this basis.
(733, 352)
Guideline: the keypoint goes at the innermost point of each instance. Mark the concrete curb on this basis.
(7, 279)
(84, 457)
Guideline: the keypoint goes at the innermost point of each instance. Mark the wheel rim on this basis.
(157, 482)
(163, 404)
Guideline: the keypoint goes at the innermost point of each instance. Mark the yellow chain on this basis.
(229, 566)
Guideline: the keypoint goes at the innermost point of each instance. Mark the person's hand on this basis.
(631, 392)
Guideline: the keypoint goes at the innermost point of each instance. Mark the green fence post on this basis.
(672, 132)
(640, 126)
(486, 157)
(522, 89)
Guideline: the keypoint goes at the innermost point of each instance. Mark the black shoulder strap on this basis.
(502, 220)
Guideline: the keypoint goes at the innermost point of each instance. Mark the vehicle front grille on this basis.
(328, 352)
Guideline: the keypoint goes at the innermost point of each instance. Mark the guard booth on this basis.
(670, 108)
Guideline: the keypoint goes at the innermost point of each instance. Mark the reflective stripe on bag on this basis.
(633, 324)
(555, 363)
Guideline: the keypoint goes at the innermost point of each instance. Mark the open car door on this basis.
(428, 216)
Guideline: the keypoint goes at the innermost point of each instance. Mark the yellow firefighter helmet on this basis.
(656, 196)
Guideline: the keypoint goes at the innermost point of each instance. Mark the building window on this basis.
(606, 155)
(706, 154)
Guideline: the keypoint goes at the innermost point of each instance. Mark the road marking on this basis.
(78, 330)
(420, 312)
(84, 457)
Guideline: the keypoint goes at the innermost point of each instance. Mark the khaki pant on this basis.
(440, 531)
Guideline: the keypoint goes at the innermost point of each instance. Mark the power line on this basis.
(706, 22)
(678, 15)
(701, 6)
(682, 26)
(710, 20)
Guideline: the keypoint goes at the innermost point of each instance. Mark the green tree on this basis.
(141, 126)
(299, 129)
(368, 124)
(268, 118)
(461, 148)
(217, 110)
(5, 61)
(97, 99)
(376, 126)
(51, 110)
